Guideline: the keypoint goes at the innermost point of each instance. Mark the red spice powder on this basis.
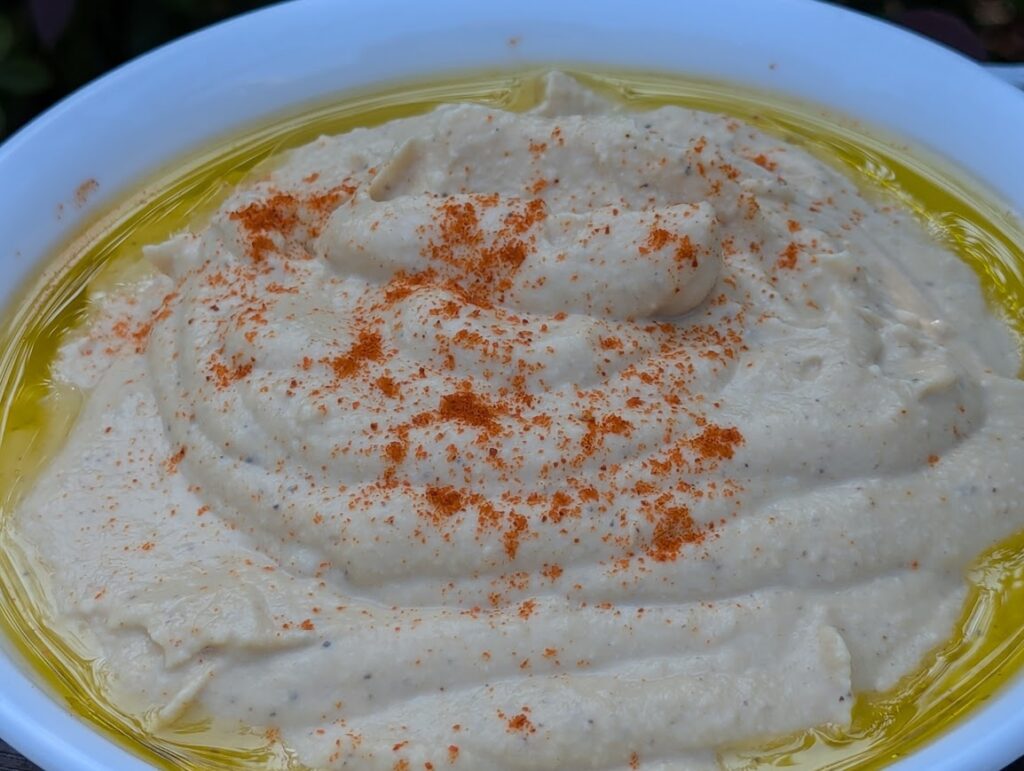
(717, 442)
(368, 347)
(593, 439)
(658, 238)
(172, 463)
(473, 264)
(673, 530)
(224, 375)
(396, 451)
(787, 260)
(518, 723)
(278, 213)
(140, 337)
(445, 501)
(459, 225)
(551, 572)
(488, 517)
(527, 608)
(481, 264)
(467, 407)
(518, 526)
(387, 386)
(403, 284)
(686, 252)
(281, 213)
(559, 510)
(519, 222)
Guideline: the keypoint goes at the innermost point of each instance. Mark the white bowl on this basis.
(140, 117)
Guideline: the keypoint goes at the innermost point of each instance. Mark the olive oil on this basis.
(986, 649)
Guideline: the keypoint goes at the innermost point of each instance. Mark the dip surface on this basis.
(576, 438)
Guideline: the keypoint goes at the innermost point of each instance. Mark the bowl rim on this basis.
(894, 90)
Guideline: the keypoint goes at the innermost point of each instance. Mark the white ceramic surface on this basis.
(137, 119)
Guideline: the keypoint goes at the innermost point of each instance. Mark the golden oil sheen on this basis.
(986, 648)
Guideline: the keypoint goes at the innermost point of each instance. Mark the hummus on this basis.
(569, 439)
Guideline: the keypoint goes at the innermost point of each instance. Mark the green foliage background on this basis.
(48, 48)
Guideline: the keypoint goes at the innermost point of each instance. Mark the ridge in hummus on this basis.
(574, 438)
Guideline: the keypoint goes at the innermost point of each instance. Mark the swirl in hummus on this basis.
(577, 438)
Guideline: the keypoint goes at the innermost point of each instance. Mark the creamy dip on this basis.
(576, 438)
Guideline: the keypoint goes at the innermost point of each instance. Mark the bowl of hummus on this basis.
(541, 414)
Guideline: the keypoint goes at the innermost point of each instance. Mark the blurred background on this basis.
(48, 48)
